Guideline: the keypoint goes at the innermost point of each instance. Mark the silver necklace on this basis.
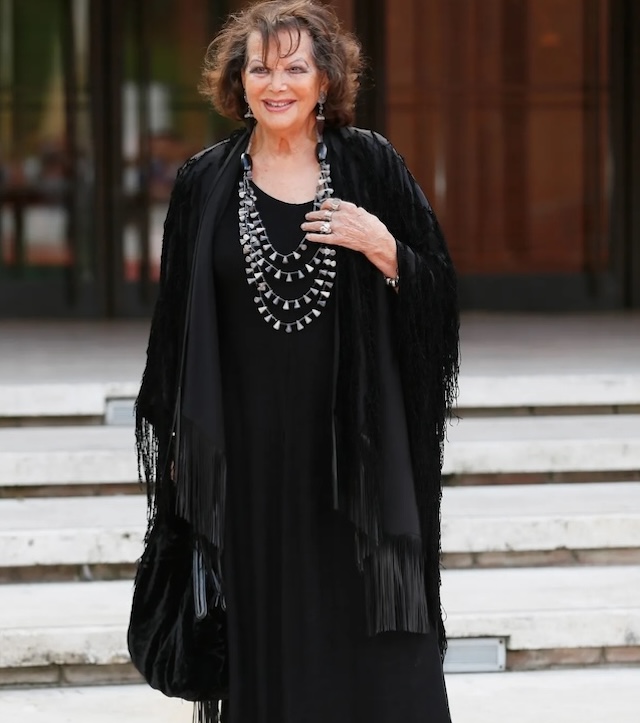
(270, 271)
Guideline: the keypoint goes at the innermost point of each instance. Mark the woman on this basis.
(307, 318)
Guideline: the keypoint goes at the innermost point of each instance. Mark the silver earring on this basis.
(249, 114)
(320, 119)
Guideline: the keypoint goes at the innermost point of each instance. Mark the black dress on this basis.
(298, 652)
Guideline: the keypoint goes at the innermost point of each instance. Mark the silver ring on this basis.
(328, 215)
(335, 205)
(325, 228)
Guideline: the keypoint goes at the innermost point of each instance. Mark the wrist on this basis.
(385, 256)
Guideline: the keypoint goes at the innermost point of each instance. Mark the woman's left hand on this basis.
(341, 223)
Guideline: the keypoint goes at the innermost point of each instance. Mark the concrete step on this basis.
(67, 456)
(558, 696)
(74, 400)
(555, 696)
(101, 704)
(533, 393)
(71, 530)
(487, 524)
(541, 524)
(521, 445)
(553, 610)
(543, 445)
(545, 612)
(537, 392)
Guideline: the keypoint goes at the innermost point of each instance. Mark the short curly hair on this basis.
(337, 54)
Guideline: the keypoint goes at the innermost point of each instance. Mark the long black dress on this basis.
(298, 650)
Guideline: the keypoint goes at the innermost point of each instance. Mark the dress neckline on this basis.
(260, 192)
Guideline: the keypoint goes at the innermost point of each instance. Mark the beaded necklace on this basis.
(270, 272)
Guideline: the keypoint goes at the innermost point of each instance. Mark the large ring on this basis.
(335, 204)
(325, 228)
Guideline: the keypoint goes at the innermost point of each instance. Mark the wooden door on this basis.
(501, 108)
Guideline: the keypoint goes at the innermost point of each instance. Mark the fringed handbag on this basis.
(177, 631)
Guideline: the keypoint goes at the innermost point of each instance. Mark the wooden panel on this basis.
(509, 100)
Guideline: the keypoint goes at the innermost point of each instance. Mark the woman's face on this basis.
(284, 92)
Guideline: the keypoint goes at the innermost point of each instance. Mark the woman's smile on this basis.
(277, 106)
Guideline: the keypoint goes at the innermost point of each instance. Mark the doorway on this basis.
(98, 109)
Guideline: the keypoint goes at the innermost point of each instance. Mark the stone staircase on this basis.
(541, 550)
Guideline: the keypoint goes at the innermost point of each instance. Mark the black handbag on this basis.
(177, 633)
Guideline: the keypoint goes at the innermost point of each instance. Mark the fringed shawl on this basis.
(395, 377)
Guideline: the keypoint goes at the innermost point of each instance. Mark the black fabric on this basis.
(423, 327)
(299, 649)
(176, 653)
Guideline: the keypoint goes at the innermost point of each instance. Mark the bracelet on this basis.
(392, 281)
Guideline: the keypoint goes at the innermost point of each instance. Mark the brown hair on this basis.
(336, 53)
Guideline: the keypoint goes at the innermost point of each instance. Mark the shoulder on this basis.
(367, 140)
(370, 149)
(207, 160)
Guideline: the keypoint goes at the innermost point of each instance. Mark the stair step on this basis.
(545, 608)
(67, 456)
(534, 609)
(88, 399)
(71, 530)
(36, 456)
(522, 445)
(98, 704)
(508, 392)
(557, 696)
(498, 519)
(528, 391)
(510, 518)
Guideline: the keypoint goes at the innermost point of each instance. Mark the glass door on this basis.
(47, 171)
(162, 121)
(98, 109)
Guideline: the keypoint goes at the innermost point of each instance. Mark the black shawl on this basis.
(395, 376)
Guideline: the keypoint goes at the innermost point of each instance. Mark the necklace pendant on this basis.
(264, 264)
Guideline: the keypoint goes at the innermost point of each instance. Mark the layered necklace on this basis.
(271, 273)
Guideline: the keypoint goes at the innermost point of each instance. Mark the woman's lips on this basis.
(278, 106)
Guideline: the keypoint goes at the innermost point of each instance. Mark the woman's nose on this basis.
(278, 79)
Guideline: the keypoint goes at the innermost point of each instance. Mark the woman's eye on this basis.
(260, 69)
(297, 69)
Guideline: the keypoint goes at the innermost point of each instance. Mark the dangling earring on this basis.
(321, 148)
(320, 119)
(249, 114)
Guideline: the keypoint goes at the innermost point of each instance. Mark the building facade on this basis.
(520, 119)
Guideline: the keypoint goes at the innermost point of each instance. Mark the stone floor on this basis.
(492, 344)
(574, 696)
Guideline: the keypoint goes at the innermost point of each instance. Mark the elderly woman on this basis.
(301, 363)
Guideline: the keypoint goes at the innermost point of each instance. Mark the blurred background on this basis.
(521, 121)
(520, 118)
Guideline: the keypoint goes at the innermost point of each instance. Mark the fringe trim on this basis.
(201, 491)
(395, 595)
(201, 483)
(147, 448)
(207, 711)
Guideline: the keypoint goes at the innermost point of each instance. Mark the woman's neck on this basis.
(283, 146)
